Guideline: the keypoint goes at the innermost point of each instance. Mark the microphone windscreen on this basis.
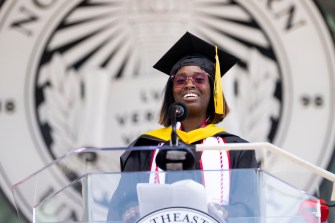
(180, 110)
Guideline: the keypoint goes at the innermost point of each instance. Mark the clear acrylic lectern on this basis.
(83, 191)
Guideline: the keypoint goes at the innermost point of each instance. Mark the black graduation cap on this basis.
(191, 45)
(191, 50)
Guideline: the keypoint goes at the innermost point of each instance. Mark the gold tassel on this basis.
(218, 99)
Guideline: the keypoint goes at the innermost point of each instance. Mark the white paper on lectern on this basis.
(185, 193)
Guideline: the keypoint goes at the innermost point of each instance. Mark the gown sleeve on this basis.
(244, 191)
(125, 196)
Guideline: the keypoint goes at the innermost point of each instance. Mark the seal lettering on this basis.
(28, 18)
(289, 13)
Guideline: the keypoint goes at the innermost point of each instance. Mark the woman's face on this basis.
(191, 86)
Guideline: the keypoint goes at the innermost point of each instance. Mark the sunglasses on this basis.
(198, 79)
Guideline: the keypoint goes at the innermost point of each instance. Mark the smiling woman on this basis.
(194, 67)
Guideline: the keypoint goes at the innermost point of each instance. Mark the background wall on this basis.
(78, 73)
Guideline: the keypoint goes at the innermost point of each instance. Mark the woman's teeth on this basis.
(190, 95)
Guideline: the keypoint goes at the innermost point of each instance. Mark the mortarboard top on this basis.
(190, 44)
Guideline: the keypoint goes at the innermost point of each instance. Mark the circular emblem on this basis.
(177, 214)
(81, 76)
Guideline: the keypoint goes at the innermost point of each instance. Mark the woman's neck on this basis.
(192, 123)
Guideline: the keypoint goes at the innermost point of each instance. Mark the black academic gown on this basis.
(140, 160)
(243, 194)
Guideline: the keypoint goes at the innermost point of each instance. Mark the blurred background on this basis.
(79, 73)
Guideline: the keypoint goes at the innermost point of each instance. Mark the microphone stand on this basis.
(180, 155)
(174, 138)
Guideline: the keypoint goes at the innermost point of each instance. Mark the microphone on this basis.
(178, 112)
(178, 109)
